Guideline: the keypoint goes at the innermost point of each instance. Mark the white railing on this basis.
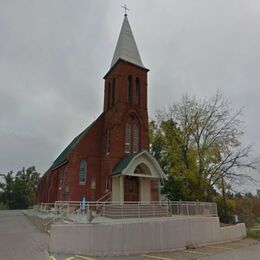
(106, 197)
(103, 211)
(60, 215)
(44, 208)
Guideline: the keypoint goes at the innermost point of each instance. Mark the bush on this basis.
(244, 210)
(225, 210)
(2, 206)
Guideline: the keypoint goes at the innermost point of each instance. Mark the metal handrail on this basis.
(133, 209)
(54, 219)
(104, 196)
(134, 202)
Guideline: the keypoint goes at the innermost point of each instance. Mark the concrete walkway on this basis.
(19, 239)
(244, 253)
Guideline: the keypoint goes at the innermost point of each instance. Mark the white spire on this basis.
(126, 48)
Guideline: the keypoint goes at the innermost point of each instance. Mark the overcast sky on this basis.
(54, 54)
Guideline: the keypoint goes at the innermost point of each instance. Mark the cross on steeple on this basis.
(126, 9)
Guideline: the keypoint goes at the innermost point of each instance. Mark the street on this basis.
(19, 239)
(246, 249)
(251, 252)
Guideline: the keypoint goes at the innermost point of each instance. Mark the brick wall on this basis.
(93, 146)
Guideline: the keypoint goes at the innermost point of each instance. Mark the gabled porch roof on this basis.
(142, 160)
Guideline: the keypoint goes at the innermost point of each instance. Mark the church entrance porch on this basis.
(133, 178)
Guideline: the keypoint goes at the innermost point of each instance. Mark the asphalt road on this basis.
(251, 252)
(246, 249)
(19, 239)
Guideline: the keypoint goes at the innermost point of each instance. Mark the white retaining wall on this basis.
(150, 235)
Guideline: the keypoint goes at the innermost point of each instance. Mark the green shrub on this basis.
(2, 206)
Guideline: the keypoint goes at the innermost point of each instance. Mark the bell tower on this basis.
(125, 130)
(125, 98)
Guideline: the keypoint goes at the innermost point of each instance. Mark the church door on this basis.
(131, 188)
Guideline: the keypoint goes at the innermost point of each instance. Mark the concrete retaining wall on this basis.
(164, 234)
(233, 232)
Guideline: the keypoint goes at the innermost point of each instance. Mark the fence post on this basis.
(68, 209)
(170, 212)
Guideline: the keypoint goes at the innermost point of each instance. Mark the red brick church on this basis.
(111, 158)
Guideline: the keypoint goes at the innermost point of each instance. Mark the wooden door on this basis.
(131, 188)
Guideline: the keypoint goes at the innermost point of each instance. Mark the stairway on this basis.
(134, 211)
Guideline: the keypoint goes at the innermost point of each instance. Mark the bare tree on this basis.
(209, 132)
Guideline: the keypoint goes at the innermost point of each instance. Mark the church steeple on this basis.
(126, 48)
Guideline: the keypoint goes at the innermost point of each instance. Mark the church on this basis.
(110, 159)
(109, 164)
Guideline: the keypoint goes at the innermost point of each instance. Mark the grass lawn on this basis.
(253, 233)
(257, 225)
(225, 224)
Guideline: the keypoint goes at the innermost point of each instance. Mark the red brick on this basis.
(92, 147)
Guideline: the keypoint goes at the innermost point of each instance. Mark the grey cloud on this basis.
(53, 55)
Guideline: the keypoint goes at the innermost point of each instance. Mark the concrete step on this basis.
(133, 211)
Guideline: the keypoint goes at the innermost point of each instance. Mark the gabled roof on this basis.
(126, 48)
(123, 164)
(64, 156)
(128, 165)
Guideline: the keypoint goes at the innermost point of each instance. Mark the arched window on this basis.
(135, 139)
(129, 90)
(113, 92)
(127, 138)
(108, 96)
(108, 142)
(62, 173)
(83, 172)
(142, 169)
(137, 91)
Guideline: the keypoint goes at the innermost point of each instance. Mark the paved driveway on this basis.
(251, 252)
(246, 249)
(19, 239)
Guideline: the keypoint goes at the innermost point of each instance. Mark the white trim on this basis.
(146, 158)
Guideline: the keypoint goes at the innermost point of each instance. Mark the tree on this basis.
(244, 209)
(7, 187)
(19, 191)
(199, 142)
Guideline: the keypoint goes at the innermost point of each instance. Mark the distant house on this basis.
(111, 156)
